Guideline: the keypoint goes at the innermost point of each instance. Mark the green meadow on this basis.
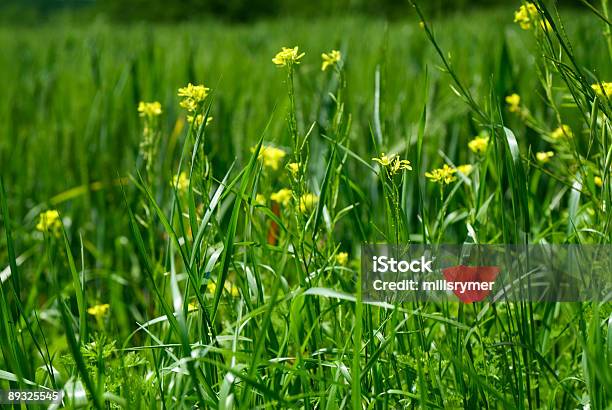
(205, 252)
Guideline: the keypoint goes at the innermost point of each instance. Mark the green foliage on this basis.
(230, 10)
(178, 281)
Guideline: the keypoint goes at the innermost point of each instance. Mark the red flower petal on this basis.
(474, 274)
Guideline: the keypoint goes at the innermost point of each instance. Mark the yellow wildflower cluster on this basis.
(149, 109)
(308, 202)
(193, 97)
(603, 89)
(98, 310)
(465, 169)
(342, 258)
(393, 163)
(294, 168)
(527, 16)
(513, 101)
(544, 157)
(330, 59)
(271, 156)
(384, 160)
(49, 222)
(287, 57)
(198, 120)
(283, 196)
(564, 131)
(180, 182)
(444, 175)
(479, 144)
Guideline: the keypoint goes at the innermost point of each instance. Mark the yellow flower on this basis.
(544, 157)
(294, 168)
(180, 182)
(99, 310)
(195, 92)
(513, 101)
(50, 222)
(393, 163)
(287, 57)
(384, 160)
(444, 175)
(465, 169)
(198, 120)
(189, 104)
(330, 59)
(149, 109)
(233, 290)
(308, 202)
(603, 89)
(192, 307)
(260, 199)
(282, 197)
(525, 15)
(399, 164)
(193, 96)
(271, 156)
(342, 258)
(479, 144)
(598, 181)
(562, 131)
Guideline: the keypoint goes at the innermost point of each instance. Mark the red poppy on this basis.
(470, 282)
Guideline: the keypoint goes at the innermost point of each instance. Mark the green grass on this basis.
(204, 309)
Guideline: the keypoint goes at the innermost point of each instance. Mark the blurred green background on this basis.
(70, 93)
(16, 11)
(72, 85)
